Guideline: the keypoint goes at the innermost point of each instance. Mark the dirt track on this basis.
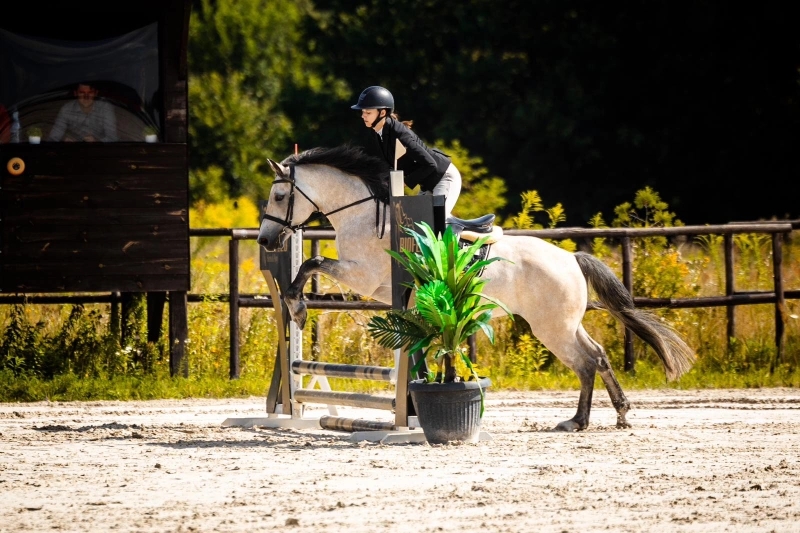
(693, 461)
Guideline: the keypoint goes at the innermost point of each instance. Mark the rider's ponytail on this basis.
(407, 123)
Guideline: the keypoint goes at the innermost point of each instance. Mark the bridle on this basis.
(317, 214)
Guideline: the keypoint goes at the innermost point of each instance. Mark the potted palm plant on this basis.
(448, 306)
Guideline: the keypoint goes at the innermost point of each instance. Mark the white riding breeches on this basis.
(449, 187)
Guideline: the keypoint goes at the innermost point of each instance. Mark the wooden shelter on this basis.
(110, 211)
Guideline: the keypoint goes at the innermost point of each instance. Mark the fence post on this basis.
(730, 286)
(178, 333)
(780, 298)
(115, 325)
(315, 349)
(233, 274)
(155, 315)
(627, 280)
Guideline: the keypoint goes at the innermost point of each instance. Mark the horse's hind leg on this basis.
(598, 355)
(585, 371)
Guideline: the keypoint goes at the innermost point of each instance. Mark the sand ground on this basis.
(708, 460)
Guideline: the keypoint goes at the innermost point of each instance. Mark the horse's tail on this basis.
(671, 349)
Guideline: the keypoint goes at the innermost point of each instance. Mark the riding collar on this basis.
(317, 214)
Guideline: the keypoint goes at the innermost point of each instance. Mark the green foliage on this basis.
(401, 329)
(660, 270)
(449, 304)
(241, 212)
(649, 211)
(480, 193)
(208, 185)
(527, 357)
(544, 91)
(711, 245)
(531, 204)
(245, 57)
(541, 91)
(233, 130)
(755, 250)
(83, 345)
(599, 246)
(525, 219)
(21, 351)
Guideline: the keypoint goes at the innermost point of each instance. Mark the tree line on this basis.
(583, 102)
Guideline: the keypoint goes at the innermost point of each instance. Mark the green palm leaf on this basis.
(399, 328)
(494, 303)
(435, 303)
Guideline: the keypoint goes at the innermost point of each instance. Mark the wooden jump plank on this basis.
(338, 423)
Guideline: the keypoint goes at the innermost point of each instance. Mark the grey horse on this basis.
(542, 283)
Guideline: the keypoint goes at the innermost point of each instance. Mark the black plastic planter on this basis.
(449, 412)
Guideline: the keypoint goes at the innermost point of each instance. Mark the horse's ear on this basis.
(280, 171)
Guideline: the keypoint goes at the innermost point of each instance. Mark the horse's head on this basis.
(286, 209)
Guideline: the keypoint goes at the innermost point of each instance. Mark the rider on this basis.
(430, 168)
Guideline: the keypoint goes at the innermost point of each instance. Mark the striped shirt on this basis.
(72, 121)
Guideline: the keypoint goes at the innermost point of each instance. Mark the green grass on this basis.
(69, 387)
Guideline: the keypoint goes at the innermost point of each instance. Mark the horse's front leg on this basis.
(293, 297)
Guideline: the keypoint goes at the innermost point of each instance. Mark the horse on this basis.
(545, 285)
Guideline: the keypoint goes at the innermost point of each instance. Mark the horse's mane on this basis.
(350, 159)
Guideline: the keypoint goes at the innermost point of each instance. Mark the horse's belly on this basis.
(543, 284)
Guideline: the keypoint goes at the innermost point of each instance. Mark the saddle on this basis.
(473, 229)
(469, 231)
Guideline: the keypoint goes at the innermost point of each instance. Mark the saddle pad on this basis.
(471, 236)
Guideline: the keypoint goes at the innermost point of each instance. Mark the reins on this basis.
(287, 222)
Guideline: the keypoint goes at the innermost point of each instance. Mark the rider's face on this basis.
(369, 116)
(86, 95)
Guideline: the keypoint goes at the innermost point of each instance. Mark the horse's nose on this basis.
(263, 241)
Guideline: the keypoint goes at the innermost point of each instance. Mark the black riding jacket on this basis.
(421, 165)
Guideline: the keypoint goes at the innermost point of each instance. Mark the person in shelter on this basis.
(85, 119)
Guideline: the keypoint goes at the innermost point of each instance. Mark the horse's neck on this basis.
(341, 190)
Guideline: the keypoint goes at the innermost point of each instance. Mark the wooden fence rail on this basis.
(731, 298)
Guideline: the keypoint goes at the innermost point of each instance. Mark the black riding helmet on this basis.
(375, 97)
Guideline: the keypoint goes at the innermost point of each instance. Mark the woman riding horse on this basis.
(430, 168)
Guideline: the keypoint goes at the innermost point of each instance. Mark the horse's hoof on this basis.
(297, 312)
(622, 423)
(569, 426)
